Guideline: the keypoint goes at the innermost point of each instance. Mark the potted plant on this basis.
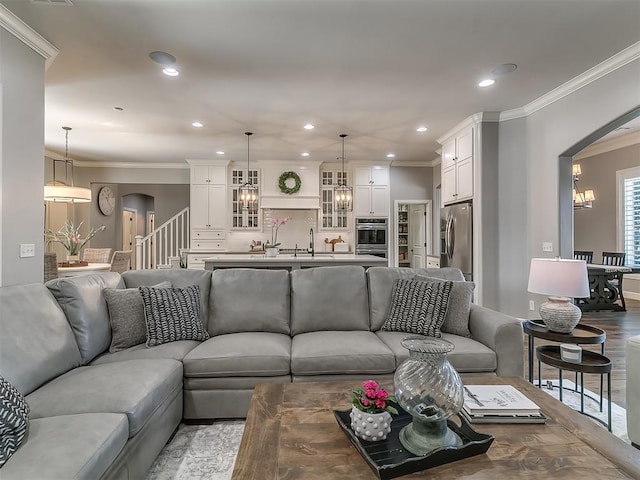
(71, 239)
(371, 411)
(271, 248)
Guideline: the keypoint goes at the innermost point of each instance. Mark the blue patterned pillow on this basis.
(172, 314)
(14, 420)
(418, 307)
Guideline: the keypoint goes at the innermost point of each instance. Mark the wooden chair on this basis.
(617, 259)
(97, 255)
(585, 255)
(121, 261)
(50, 266)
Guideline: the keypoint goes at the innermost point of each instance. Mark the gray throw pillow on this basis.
(172, 314)
(14, 420)
(126, 315)
(418, 307)
(457, 319)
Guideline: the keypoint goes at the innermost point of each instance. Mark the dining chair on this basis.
(50, 266)
(616, 259)
(97, 255)
(585, 255)
(121, 261)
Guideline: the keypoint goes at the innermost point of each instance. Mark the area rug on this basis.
(199, 452)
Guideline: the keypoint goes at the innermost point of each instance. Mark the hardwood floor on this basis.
(619, 326)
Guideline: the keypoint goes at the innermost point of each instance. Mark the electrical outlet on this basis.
(547, 246)
(532, 305)
(27, 250)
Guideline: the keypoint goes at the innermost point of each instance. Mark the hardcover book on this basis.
(503, 400)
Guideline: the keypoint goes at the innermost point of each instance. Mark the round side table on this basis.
(591, 363)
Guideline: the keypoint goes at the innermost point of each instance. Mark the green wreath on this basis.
(282, 183)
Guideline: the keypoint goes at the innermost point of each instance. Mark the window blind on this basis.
(631, 219)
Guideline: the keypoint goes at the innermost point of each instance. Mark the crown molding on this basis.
(426, 163)
(605, 146)
(470, 121)
(619, 60)
(27, 35)
(80, 163)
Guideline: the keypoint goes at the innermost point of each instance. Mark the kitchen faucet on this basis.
(312, 249)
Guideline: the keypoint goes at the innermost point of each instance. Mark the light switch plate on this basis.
(27, 250)
(547, 246)
(532, 305)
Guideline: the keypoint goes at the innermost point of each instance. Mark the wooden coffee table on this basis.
(291, 433)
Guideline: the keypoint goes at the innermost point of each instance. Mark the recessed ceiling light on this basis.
(309, 126)
(504, 69)
(163, 58)
(421, 129)
(220, 152)
(391, 155)
(170, 71)
(305, 154)
(198, 124)
(487, 82)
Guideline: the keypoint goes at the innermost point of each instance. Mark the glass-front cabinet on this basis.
(332, 219)
(240, 218)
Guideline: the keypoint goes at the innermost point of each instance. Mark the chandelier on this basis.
(248, 192)
(57, 191)
(343, 192)
(581, 199)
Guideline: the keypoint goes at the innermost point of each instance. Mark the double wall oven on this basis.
(372, 236)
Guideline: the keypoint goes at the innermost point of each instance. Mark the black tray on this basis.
(389, 459)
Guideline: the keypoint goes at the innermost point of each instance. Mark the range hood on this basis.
(306, 198)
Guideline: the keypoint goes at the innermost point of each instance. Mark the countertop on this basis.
(303, 260)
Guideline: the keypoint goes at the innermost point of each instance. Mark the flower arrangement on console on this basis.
(275, 225)
(372, 398)
(70, 238)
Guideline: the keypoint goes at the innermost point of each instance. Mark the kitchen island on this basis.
(291, 262)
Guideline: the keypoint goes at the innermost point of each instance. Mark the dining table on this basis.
(75, 270)
(605, 290)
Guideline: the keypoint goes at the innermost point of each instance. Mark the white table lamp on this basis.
(562, 280)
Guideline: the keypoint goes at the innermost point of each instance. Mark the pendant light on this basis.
(581, 199)
(343, 192)
(248, 192)
(65, 192)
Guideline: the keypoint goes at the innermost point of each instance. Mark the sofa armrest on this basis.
(633, 389)
(501, 333)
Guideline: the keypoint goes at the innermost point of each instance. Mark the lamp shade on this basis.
(559, 277)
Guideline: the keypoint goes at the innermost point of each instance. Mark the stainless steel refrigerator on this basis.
(456, 238)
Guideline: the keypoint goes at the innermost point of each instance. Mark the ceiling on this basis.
(374, 69)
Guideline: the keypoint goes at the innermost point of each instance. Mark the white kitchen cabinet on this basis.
(376, 175)
(371, 201)
(208, 174)
(457, 168)
(332, 219)
(208, 207)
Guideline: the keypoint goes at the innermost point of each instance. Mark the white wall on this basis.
(22, 149)
(541, 138)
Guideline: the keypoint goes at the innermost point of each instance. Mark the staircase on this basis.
(156, 249)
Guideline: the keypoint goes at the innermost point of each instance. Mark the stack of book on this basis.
(499, 404)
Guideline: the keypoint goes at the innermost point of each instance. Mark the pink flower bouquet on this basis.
(372, 398)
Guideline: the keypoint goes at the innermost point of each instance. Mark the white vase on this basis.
(271, 251)
(73, 258)
(370, 426)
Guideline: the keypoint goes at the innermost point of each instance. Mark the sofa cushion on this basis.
(340, 352)
(468, 355)
(460, 298)
(14, 420)
(268, 310)
(136, 388)
(36, 341)
(418, 307)
(126, 316)
(179, 277)
(250, 354)
(69, 446)
(84, 305)
(173, 350)
(329, 298)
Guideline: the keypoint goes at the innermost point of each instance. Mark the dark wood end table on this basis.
(591, 362)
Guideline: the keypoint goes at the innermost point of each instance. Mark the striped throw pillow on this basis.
(14, 420)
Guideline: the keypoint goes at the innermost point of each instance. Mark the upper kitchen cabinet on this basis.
(457, 167)
(332, 219)
(371, 191)
(208, 174)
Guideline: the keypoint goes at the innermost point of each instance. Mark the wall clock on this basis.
(106, 201)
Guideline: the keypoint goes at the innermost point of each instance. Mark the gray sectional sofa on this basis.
(96, 414)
